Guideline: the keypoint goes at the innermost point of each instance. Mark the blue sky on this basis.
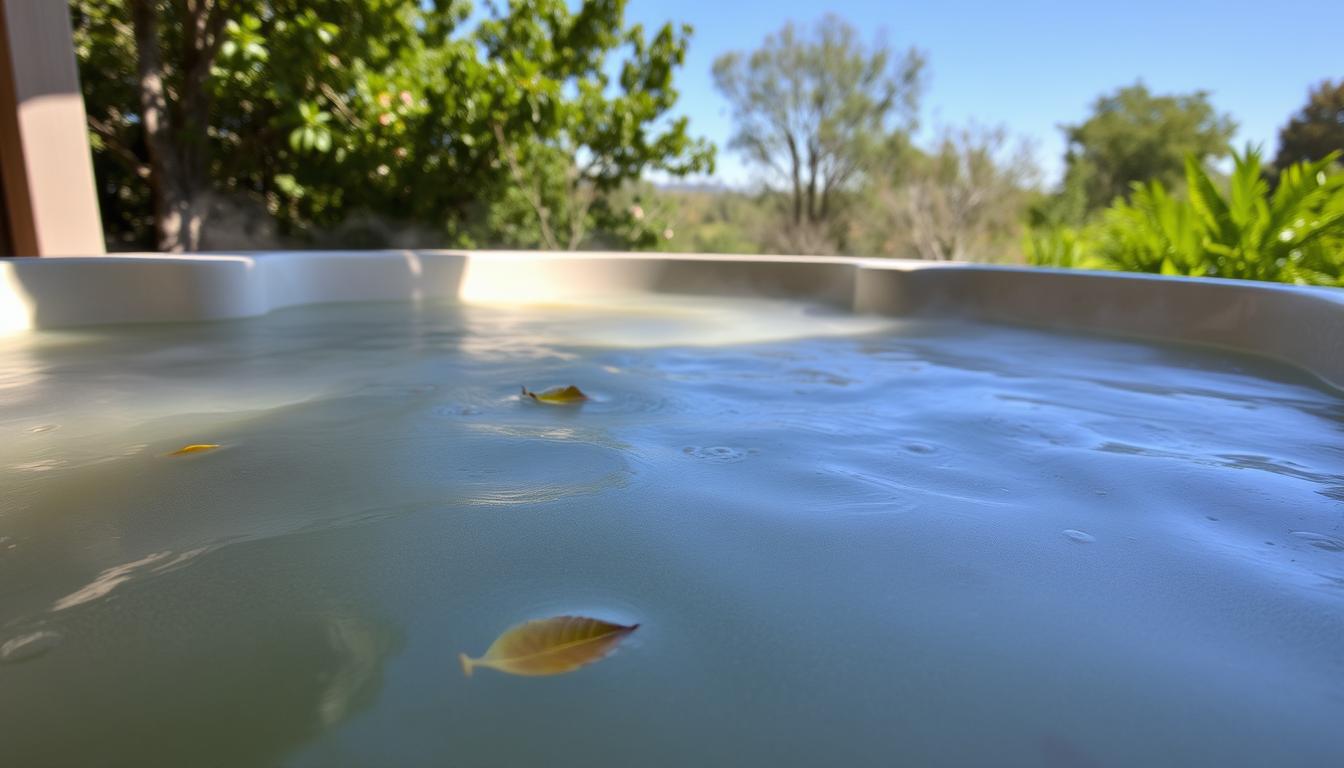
(1031, 65)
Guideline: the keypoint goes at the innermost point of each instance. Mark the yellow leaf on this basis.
(557, 395)
(195, 448)
(549, 646)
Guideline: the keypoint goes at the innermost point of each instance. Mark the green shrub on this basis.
(1292, 234)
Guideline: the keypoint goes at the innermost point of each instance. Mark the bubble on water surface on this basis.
(1079, 536)
(42, 428)
(29, 646)
(721, 454)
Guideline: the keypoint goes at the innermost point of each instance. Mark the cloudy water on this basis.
(847, 541)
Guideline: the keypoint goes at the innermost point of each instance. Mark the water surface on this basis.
(847, 541)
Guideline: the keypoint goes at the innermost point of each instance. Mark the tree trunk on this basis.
(795, 164)
(177, 220)
(812, 160)
(204, 34)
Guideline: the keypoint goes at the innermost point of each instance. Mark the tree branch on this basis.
(339, 103)
(216, 16)
(577, 212)
(112, 142)
(532, 195)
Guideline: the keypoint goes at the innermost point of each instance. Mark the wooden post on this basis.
(49, 200)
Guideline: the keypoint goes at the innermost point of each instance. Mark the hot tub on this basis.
(863, 512)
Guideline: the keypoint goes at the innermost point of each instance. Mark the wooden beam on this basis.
(50, 197)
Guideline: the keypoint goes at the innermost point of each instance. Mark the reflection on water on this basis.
(198, 666)
(107, 581)
(29, 646)
(359, 649)
(1329, 484)
(880, 535)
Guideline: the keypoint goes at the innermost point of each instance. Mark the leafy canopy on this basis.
(323, 113)
(1136, 136)
(1317, 129)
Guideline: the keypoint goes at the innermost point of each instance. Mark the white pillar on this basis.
(50, 198)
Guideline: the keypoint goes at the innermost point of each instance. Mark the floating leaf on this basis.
(557, 395)
(549, 646)
(194, 448)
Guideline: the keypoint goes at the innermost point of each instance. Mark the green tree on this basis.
(317, 113)
(567, 135)
(1136, 136)
(300, 109)
(812, 106)
(1317, 129)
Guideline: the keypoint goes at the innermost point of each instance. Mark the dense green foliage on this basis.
(1317, 129)
(1176, 215)
(352, 120)
(1133, 136)
(366, 123)
(1294, 233)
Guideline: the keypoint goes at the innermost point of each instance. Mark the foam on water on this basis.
(847, 541)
